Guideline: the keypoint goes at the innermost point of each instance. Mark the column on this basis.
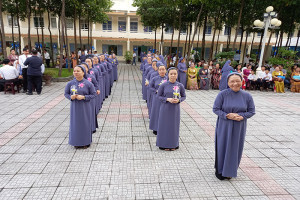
(95, 44)
(221, 47)
(128, 25)
(249, 48)
(128, 45)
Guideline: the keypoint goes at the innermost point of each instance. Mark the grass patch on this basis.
(54, 72)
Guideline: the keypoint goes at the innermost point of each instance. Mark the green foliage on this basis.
(285, 57)
(222, 63)
(54, 72)
(225, 55)
(128, 56)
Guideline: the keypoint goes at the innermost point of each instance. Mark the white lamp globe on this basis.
(274, 21)
(269, 9)
(261, 24)
(256, 22)
(278, 23)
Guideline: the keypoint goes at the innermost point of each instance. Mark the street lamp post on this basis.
(270, 21)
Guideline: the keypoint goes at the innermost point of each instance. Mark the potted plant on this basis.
(128, 57)
(47, 77)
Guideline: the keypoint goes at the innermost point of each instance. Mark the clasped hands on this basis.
(172, 100)
(234, 116)
(78, 97)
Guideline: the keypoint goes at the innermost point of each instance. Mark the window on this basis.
(258, 34)
(227, 30)
(134, 25)
(122, 24)
(147, 29)
(53, 21)
(291, 34)
(117, 49)
(208, 29)
(69, 23)
(38, 22)
(107, 26)
(183, 29)
(239, 32)
(84, 25)
(9, 19)
(168, 29)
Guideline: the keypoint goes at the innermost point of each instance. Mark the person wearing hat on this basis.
(147, 66)
(226, 69)
(182, 69)
(80, 92)
(148, 76)
(150, 92)
(233, 106)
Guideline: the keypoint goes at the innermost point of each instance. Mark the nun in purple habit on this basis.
(96, 73)
(110, 67)
(92, 79)
(226, 69)
(233, 107)
(104, 75)
(154, 85)
(107, 79)
(161, 59)
(101, 82)
(148, 74)
(147, 66)
(150, 93)
(182, 69)
(170, 93)
(80, 92)
(115, 63)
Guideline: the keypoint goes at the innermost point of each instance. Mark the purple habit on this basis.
(169, 116)
(147, 77)
(107, 80)
(80, 132)
(104, 77)
(230, 134)
(94, 106)
(181, 74)
(154, 85)
(226, 69)
(101, 84)
(150, 92)
(144, 90)
(115, 63)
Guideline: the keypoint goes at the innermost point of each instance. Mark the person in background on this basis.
(182, 69)
(47, 58)
(34, 72)
(216, 77)
(260, 77)
(23, 72)
(278, 79)
(267, 78)
(73, 59)
(8, 73)
(286, 80)
(246, 59)
(237, 56)
(246, 73)
(226, 69)
(133, 58)
(82, 57)
(192, 72)
(204, 78)
(252, 80)
(295, 80)
(12, 57)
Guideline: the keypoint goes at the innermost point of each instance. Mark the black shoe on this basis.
(219, 176)
(38, 93)
(155, 132)
(29, 93)
(94, 131)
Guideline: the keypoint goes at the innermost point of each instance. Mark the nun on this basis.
(233, 106)
(204, 79)
(182, 71)
(96, 73)
(170, 94)
(115, 63)
(101, 80)
(94, 108)
(104, 77)
(107, 79)
(80, 92)
(147, 66)
(149, 77)
(154, 85)
(226, 69)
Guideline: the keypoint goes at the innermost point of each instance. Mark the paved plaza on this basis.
(123, 162)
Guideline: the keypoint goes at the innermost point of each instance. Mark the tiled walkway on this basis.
(123, 162)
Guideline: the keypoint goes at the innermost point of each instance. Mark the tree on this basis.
(2, 32)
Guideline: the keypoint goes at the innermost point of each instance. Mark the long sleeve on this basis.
(250, 108)
(67, 91)
(152, 85)
(16, 72)
(179, 66)
(26, 62)
(217, 108)
(160, 93)
(95, 83)
(92, 93)
(182, 94)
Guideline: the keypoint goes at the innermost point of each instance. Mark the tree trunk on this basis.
(186, 37)
(259, 47)
(91, 35)
(2, 33)
(267, 49)
(51, 42)
(170, 51)
(218, 41)
(198, 37)
(155, 40)
(19, 29)
(67, 48)
(238, 24)
(88, 33)
(162, 40)
(196, 26)
(189, 45)
(241, 41)
(12, 31)
(1, 40)
(252, 44)
(178, 41)
(80, 39)
(43, 40)
(203, 39)
(228, 40)
(245, 46)
(213, 39)
(297, 40)
(75, 38)
(28, 20)
(62, 36)
(276, 43)
(37, 30)
(281, 38)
